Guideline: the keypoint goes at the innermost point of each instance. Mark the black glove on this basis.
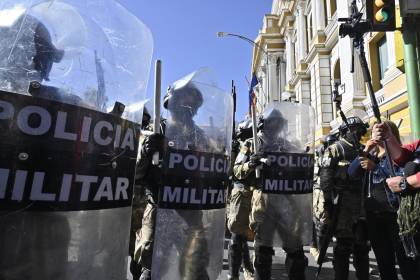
(255, 160)
(154, 143)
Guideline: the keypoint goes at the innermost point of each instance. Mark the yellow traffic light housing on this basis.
(381, 14)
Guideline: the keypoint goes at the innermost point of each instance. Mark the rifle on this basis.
(355, 28)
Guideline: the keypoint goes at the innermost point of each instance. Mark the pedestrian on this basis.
(350, 230)
(407, 186)
(381, 210)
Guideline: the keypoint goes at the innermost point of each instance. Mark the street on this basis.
(279, 270)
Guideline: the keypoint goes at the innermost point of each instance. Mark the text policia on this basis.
(205, 187)
(288, 173)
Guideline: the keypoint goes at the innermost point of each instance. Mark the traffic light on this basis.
(381, 14)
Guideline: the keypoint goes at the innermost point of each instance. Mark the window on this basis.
(382, 57)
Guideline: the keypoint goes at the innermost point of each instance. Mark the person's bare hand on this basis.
(380, 132)
(367, 164)
(370, 145)
(394, 184)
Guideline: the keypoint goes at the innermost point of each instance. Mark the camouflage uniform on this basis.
(320, 215)
(264, 227)
(350, 228)
(194, 255)
(238, 217)
(143, 215)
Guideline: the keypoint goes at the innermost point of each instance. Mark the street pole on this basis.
(412, 74)
(224, 34)
(267, 60)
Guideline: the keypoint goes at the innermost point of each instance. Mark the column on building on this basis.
(275, 76)
(323, 87)
(282, 77)
(290, 53)
(320, 14)
(314, 18)
(303, 91)
(301, 32)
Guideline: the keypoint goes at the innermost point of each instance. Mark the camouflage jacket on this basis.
(334, 165)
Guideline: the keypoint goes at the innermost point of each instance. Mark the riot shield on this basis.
(72, 82)
(189, 232)
(286, 142)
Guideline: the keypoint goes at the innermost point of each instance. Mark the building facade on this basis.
(306, 57)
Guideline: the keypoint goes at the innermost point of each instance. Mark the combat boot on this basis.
(262, 263)
(341, 261)
(296, 264)
(235, 256)
(246, 258)
(135, 270)
(361, 261)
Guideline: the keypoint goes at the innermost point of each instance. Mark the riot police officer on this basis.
(139, 201)
(82, 172)
(350, 229)
(266, 219)
(180, 133)
(320, 215)
(239, 210)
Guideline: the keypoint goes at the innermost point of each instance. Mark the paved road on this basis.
(279, 271)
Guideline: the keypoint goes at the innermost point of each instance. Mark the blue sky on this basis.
(185, 39)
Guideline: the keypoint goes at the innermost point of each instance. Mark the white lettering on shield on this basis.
(272, 185)
(197, 196)
(85, 188)
(101, 132)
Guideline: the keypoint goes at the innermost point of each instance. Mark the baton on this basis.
(254, 137)
(156, 106)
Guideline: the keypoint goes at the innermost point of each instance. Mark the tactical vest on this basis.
(346, 154)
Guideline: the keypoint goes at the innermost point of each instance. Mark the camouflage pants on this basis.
(267, 220)
(143, 252)
(320, 214)
(239, 210)
(139, 205)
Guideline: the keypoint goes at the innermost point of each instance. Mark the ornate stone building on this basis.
(306, 57)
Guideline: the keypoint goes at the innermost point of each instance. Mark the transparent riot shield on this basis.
(286, 142)
(189, 234)
(72, 85)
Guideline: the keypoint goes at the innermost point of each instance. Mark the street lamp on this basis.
(221, 34)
